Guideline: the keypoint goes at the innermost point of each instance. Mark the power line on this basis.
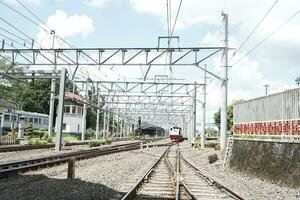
(12, 40)
(16, 28)
(176, 18)
(12, 34)
(32, 14)
(266, 38)
(18, 12)
(255, 28)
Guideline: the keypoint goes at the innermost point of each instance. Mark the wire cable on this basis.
(176, 18)
(255, 28)
(266, 38)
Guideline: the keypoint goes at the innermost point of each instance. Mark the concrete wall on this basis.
(278, 162)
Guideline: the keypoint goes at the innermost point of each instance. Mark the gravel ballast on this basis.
(104, 177)
(13, 156)
(247, 187)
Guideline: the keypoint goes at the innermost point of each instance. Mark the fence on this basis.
(7, 140)
(276, 114)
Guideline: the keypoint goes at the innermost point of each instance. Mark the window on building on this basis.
(64, 127)
(36, 120)
(67, 109)
(7, 117)
(30, 119)
(73, 109)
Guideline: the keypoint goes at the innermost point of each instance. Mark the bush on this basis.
(212, 158)
(13, 134)
(50, 140)
(97, 143)
(29, 131)
(90, 133)
(215, 145)
(36, 141)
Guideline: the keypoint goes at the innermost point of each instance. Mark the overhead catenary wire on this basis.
(266, 38)
(16, 28)
(255, 28)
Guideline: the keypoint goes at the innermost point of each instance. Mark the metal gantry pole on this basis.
(60, 114)
(98, 114)
(83, 130)
(107, 128)
(104, 124)
(224, 85)
(113, 125)
(203, 111)
(194, 131)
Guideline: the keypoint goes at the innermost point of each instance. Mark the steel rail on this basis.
(132, 192)
(9, 148)
(26, 165)
(213, 182)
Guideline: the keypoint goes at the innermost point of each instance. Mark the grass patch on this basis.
(213, 144)
(97, 143)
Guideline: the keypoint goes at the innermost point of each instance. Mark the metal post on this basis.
(52, 97)
(119, 125)
(83, 131)
(104, 124)
(194, 132)
(224, 89)
(203, 111)
(60, 114)
(107, 128)
(98, 114)
(113, 125)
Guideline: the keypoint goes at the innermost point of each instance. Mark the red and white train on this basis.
(176, 134)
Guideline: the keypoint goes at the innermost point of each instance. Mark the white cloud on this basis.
(97, 3)
(66, 27)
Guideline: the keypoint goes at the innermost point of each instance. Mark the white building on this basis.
(72, 113)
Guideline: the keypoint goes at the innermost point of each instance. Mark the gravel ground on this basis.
(104, 177)
(247, 187)
(38, 153)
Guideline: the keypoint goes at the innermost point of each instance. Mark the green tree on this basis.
(297, 80)
(217, 117)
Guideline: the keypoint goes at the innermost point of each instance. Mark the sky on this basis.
(138, 23)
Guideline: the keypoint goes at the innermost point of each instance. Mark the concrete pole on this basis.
(52, 96)
(107, 128)
(98, 114)
(224, 89)
(113, 125)
(128, 128)
(104, 124)
(83, 130)
(203, 110)
(194, 132)
(60, 114)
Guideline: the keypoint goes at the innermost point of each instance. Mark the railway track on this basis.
(173, 177)
(10, 148)
(26, 165)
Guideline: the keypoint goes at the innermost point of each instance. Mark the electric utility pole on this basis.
(224, 84)
(52, 94)
(203, 111)
(266, 88)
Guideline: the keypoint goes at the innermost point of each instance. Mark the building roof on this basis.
(6, 104)
(73, 97)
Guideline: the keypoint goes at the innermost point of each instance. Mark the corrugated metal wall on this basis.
(275, 107)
